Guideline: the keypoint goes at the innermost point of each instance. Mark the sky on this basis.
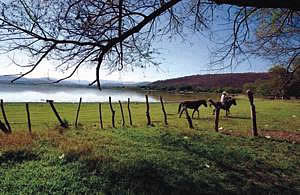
(178, 58)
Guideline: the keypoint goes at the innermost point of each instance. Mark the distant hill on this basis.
(233, 80)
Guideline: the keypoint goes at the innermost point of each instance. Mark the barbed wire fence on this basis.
(79, 114)
(50, 114)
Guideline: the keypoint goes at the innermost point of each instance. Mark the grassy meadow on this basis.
(159, 159)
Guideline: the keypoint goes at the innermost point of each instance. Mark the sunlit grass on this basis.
(271, 115)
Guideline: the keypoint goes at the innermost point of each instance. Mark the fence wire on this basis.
(41, 114)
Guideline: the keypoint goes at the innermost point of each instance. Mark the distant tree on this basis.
(233, 90)
(277, 82)
(120, 33)
(251, 86)
(201, 89)
(283, 82)
(172, 88)
(264, 88)
(294, 85)
(185, 88)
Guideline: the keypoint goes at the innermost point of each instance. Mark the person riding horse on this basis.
(224, 97)
(225, 103)
(191, 104)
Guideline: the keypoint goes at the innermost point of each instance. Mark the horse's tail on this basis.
(179, 107)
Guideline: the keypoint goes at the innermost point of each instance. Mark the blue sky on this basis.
(178, 58)
(189, 57)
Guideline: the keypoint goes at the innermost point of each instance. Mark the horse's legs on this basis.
(181, 112)
(198, 114)
(193, 113)
(214, 110)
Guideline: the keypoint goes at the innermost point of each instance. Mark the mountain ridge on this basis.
(234, 80)
(74, 83)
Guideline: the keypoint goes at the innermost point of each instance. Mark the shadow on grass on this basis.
(147, 177)
(243, 172)
(17, 156)
(246, 174)
(239, 117)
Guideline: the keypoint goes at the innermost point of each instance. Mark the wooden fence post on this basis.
(253, 112)
(163, 109)
(100, 116)
(129, 112)
(113, 113)
(77, 114)
(28, 118)
(147, 111)
(122, 113)
(217, 119)
(62, 124)
(4, 128)
(4, 116)
(217, 116)
(188, 118)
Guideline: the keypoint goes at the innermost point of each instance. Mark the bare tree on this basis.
(76, 32)
(120, 33)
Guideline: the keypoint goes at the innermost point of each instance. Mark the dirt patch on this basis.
(282, 135)
(293, 137)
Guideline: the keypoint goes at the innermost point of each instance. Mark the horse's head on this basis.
(233, 101)
(210, 102)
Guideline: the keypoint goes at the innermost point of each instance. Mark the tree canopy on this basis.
(120, 33)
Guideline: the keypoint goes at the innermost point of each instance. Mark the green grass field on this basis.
(161, 159)
(271, 115)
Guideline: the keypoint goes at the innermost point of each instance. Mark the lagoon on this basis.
(40, 93)
(60, 93)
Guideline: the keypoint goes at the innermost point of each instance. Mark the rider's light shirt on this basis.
(222, 98)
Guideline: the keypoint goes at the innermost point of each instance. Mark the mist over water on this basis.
(40, 93)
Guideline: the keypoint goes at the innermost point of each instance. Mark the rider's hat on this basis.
(224, 92)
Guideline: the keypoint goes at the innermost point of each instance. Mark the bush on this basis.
(186, 88)
(251, 86)
(201, 89)
(172, 88)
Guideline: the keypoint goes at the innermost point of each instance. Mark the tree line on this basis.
(284, 83)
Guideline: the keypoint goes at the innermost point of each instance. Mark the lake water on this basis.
(40, 93)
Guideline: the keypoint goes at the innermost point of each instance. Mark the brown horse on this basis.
(225, 106)
(192, 105)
